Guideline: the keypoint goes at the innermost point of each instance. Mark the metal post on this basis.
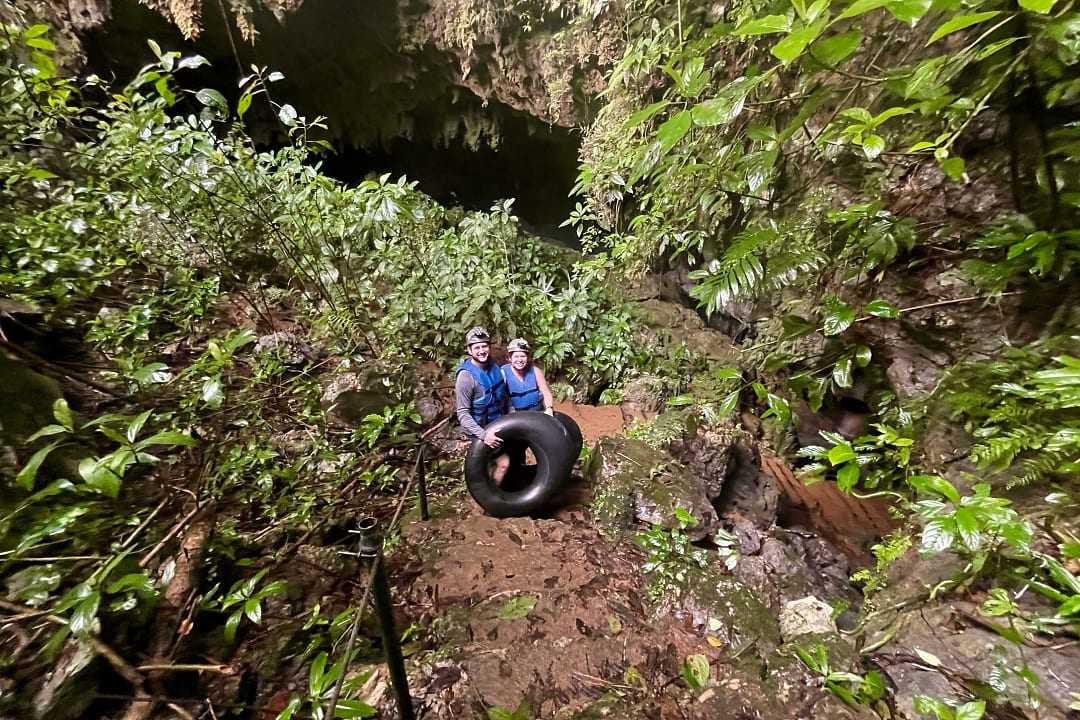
(421, 482)
(371, 549)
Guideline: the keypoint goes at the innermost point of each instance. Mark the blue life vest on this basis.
(488, 407)
(524, 393)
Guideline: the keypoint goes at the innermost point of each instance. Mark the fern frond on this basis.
(737, 275)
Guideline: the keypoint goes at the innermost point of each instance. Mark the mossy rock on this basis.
(635, 482)
(728, 610)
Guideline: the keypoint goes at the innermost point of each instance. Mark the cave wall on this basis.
(439, 71)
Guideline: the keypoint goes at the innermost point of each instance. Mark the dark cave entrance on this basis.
(387, 110)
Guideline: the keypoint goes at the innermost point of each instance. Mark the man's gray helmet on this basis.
(477, 335)
(517, 345)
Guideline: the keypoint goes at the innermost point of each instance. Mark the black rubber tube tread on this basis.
(547, 438)
(573, 432)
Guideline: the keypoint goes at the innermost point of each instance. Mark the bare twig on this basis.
(219, 668)
(169, 536)
(940, 303)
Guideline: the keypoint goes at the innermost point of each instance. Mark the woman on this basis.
(528, 387)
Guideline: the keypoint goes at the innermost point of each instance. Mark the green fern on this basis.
(737, 275)
(1023, 412)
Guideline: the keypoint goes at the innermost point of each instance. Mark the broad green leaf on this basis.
(779, 407)
(967, 525)
(644, 114)
(62, 413)
(998, 603)
(847, 476)
(163, 89)
(728, 103)
(191, 62)
(167, 437)
(213, 99)
(873, 145)
(973, 710)
(795, 326)
(833, 50)
(842, 453)
(36, 30)
(954, 168)
(40, 43)
(139, 582)
(764, 26)
(838, 317)
(863, 355)
(890, 113)
(231, 625)
(882, 309)
(935, 485)
(152, 374)
(253, 611)
(673, 130)
(696, 671)
(287, 115)
(684, 517)
(136, 425)
(842, 372)
(294, 704)
(34, 585)
(517, 607)
(315, 675)
(938, 535)
(354, 709)
(1070, 607)
(859, 7)
(46, 432)
(243, 104)
(909, 11)
(790, 48)
(99, 476)
(959, 22)
(84, 614)
(26, 477)
(1037, 6)
(729, 403)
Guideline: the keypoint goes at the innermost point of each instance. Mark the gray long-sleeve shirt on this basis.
(467, 389)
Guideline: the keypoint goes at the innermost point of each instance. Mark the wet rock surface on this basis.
(635, 482)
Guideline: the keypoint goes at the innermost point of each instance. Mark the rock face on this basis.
(806, 616)
(349, 394)
(633, 481)
(440, 70)
(965, 642)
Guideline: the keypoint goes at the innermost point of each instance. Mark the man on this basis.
(480, 396)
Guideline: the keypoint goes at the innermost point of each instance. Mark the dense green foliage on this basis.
(144, 222)
(814, 166)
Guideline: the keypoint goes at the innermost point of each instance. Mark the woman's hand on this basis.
(491, 439)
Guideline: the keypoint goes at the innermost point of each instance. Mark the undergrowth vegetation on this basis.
(862, 183)
(209, 294)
